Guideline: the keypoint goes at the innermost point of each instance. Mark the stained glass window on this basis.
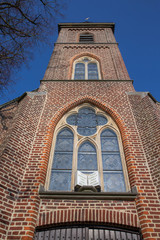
(87, 157)
(92, 71)
(99, 153)
(111, 160)
(86, 121)
(62, 161)
(86, 69)
(79, 71)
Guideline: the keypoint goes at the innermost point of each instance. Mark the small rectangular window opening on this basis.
(86, 38)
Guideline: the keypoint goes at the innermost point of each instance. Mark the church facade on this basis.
(80, 155)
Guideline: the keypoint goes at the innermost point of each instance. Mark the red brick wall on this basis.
(147, 116)
(100, 35)
(60, 65)
(7, 113)
(31, 166)
(25, 158)
(85, 212)
(15, 159)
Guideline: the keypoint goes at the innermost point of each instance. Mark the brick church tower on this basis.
(80, 155)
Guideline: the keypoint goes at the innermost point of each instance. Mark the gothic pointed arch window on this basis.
(62, 162)
(86, 68)
(87, 151)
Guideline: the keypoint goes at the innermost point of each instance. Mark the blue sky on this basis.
(137, 31)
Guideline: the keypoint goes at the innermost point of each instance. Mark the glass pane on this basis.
(87, 161)
(62, 160)
(111, 162)
(108, 133)
(109, 144)
(72, 120)
(79, 71)
(86, 131)
(87, 157)
(64, 144)
(92, 71)
(87, 121)
(65, 132)
(101, 120)
(87, 147)
(60, 180)
(111, 159)
(114, 182)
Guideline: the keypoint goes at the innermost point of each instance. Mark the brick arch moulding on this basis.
(67, 107)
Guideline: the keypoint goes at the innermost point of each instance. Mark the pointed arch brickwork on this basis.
(100, 104)
(84, 54)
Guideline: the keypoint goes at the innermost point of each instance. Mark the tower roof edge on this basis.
(86, 25)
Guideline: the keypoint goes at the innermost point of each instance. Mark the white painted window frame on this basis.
(81, 60)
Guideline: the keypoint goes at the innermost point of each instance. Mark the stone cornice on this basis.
(108, 80)
(86, 25)
(130, 196)
(88, 43)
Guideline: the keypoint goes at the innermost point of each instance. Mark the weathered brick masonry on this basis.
(27, 144)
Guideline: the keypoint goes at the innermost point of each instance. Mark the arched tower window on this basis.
(86, 68)
(87, 151)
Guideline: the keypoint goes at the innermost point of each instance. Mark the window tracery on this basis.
(86, 68)
(87, 140)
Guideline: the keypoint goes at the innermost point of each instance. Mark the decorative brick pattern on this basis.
(88, 215)
(101, 35)
(26, 149)
(65, 96)
(147, 116)
(7, 113)
(112, 65)
(15, 159)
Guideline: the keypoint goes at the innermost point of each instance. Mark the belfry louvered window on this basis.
(86, 38)
(87, 151)
(86, 68)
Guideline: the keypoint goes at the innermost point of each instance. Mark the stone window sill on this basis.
(127, 196)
